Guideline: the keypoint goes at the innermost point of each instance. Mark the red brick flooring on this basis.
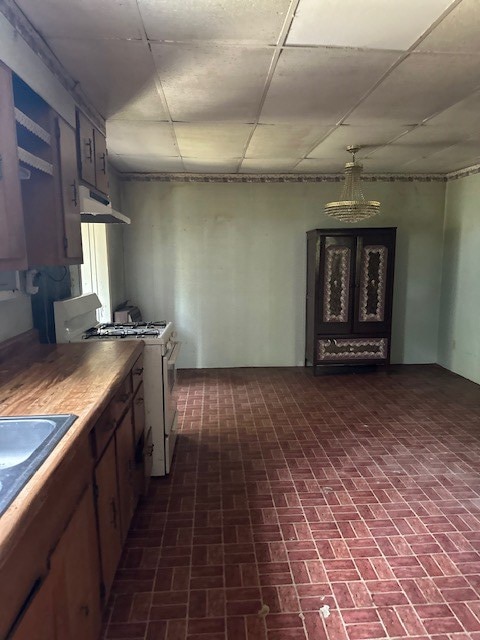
(359, 492)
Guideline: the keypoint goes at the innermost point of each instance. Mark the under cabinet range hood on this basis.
(93, 208)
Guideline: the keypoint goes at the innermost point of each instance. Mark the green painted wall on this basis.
(227, 263)
(459, 331)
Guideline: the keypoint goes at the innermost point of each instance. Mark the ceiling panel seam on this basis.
(273, 64)
(158, 82)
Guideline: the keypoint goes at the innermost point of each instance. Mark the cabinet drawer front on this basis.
(111, 417)
(351, 349)
(122, 398)
(137, 373)
(104, 430)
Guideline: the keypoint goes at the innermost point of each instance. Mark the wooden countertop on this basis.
(77, 378)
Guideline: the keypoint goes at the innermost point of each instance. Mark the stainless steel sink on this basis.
(25, 442)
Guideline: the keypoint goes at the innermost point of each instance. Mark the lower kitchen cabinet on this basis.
(125, 470)
(108, 515)
(67, 605)
(75, 562)
(67, 602)
(38, 622)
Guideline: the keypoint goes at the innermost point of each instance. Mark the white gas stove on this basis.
(75, 320)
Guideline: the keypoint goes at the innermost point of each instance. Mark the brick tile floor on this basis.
(358, 495)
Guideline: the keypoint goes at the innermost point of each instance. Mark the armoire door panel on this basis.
(373, 292)
(337, 262)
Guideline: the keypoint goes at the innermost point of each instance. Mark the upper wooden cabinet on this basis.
(92, 154)
(39, 204)
(13, 253)
(72, 243)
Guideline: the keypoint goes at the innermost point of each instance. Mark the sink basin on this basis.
(25, 442)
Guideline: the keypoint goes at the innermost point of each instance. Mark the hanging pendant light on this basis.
(352, 206)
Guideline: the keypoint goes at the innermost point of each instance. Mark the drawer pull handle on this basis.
(138, 372)
(73, 187)
(113, 506)
(149, 451)
(139, 401)
(85, 610)
(89, 145)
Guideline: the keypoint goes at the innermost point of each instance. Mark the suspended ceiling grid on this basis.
(275, 86)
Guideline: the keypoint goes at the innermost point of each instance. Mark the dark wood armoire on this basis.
(349, 297)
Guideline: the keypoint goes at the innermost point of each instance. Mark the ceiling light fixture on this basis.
(352, 206)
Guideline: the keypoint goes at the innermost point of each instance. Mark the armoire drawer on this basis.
(354, 349)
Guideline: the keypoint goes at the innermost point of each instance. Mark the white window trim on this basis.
(95, 272)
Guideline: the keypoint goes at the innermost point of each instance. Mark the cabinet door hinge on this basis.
(103, 591)
(95, 491)
(65, 243)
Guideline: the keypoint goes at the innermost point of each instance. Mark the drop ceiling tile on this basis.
(220, 165)
(458, 32)
(419, 87)
(434, 136)
(113, 73)
(140, 163)
(129, 137)
(464, 115)
(375, 24)
(146, 105)
(426, 165)
(459, 156)
(321, 85)
(84, 19)
(212, 140)
(284, 140)
(208, 84)
(321, 165)
(368, 138)
(268, 165)
(394, 162)
(242, 20)
(399, 153)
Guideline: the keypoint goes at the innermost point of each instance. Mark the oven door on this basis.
(170, 386)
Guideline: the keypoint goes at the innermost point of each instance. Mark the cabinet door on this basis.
(86, 149)
(38, 621)
(70, 197)
(126, 471)
(75, 562)
(139, 413)
(108, 515)
(12, 237)
(336, 284)
(374, 282)
(101, 177)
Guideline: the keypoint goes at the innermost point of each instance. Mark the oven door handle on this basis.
(172, 359)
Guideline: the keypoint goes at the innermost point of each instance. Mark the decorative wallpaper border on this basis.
(463, 173)
(275, 177)
(22, 25)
